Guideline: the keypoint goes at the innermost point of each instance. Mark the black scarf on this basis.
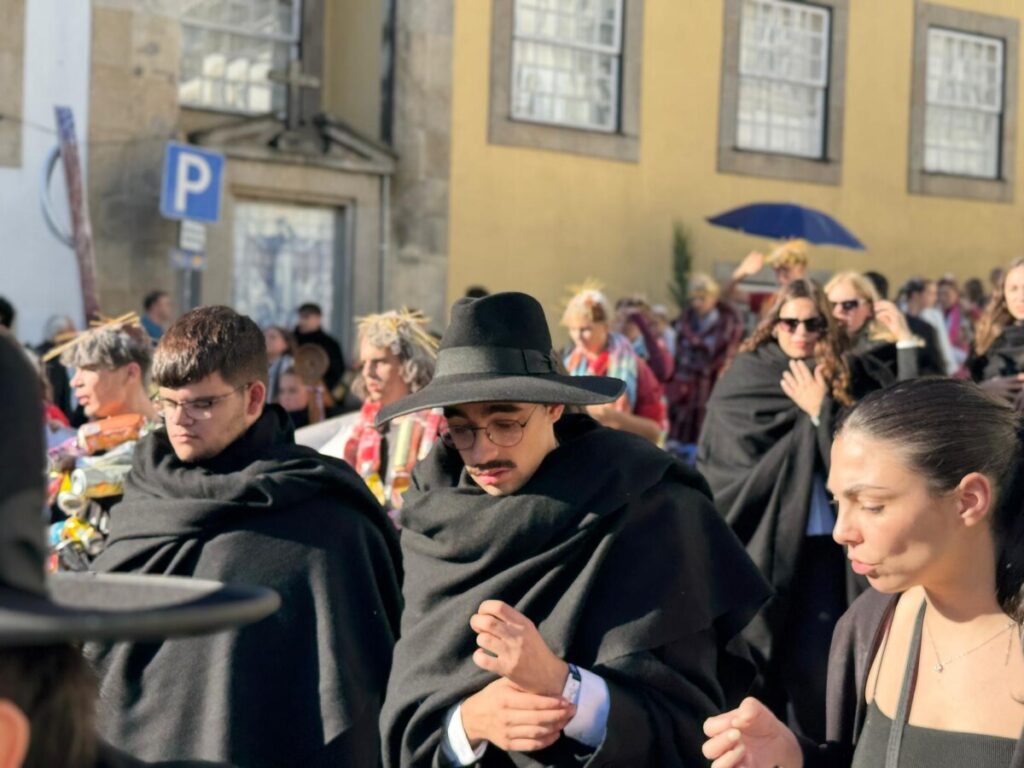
(301, 687)
(612, 549)
(759, 452)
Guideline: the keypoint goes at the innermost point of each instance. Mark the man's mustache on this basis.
(477, 469)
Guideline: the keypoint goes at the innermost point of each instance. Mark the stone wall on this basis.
(418, 267)
(12, 73)
(134, 100)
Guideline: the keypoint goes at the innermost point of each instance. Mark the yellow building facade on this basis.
(536, 219)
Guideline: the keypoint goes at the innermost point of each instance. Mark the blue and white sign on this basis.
(192, 183)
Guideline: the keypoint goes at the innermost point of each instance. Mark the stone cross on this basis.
(296, 80)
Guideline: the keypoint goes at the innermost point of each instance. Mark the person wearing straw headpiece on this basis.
(397, 356)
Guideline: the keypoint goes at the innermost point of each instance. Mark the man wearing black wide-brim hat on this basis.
(47, 692)
(569, 589)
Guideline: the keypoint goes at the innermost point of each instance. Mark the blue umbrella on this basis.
(783, 221)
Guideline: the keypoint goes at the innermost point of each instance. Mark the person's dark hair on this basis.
(912, 287)
(975, 291)
(476, 292)
(152, 298)
(309, 308)
(881, 283)
(287, 335)
(830, 347)
(54, 688)
(211, 340)
(945, 429)
(7, 313)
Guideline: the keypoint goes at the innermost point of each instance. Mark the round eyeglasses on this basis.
(504, 433)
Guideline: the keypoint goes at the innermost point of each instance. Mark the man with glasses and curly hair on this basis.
(223, 491)
(569, 589)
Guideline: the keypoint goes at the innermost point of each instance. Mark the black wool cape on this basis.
(300, 688)
(1004, 358)
(615, 551)
(759, 452)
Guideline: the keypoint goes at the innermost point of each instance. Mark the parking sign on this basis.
(192, 183)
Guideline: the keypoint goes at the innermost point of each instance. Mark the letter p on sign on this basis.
(192, 183)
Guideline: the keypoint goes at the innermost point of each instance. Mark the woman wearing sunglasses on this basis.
(926, 669)
(997, 362)
(882, 347)
(764, 450)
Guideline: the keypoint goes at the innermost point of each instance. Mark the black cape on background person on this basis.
(877, 364)
(330, 345)
(616, 553)
(302, 687)
(759, 452)
(1004, 358)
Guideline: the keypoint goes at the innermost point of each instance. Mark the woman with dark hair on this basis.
(997, 362)
(764, 450)
(883, 349)
(927, 475)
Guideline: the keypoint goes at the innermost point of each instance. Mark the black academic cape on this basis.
(930, 360)
(302, 687)
(855, 644)
(877, 364)
(759, 452)
(1004, 358)
(614, 550)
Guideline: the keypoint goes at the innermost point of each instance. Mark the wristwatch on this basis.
(571, 691)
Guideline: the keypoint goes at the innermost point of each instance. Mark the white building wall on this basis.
(38, 274)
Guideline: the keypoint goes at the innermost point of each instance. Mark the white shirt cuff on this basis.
(456, 744)
(590, 724)
(908, 344)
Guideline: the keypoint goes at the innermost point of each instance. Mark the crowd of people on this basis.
(718, 534)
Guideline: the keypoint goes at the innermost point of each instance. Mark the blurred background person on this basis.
(958, 321)
(708, 333)
(929, 360)
(310, 331)
(280, 355)
(764, 451)
(59, 329)
(598, 351)
(882, 348)
(926, 323)
(997, 362)
(157, 313)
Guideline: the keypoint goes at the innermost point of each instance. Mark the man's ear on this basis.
(14, 735)
(555, 412)
(256, 398)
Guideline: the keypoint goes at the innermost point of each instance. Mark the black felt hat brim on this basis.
(550, 389)
(95, 606)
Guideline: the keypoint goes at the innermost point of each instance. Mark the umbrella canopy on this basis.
(783, 221)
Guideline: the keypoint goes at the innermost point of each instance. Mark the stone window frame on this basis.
(745, 162)
(623, 145)
(1007, 29)
(12, 96)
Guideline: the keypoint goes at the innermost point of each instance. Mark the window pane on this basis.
(784, 53)
(566, 58)
(228, 48)
(964, 97)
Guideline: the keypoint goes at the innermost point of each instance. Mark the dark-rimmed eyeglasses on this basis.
(200, 409)
(811, 324)
(504, 433)
(849, 305)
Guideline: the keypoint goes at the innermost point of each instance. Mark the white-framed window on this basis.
(964, 104)
(229, 46)
(566, 62)
(783, 78)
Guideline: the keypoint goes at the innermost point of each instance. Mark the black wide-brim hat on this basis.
(75, 607)
(498, 349)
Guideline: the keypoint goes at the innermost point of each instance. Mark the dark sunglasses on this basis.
(849, 305)
(812, 325)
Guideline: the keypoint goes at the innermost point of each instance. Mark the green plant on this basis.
(682, 261)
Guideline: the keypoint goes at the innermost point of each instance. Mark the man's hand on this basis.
(511, 646)
(1004, 387)
(805, 389)
(513, 720)
(751, 265)
(752, 737)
